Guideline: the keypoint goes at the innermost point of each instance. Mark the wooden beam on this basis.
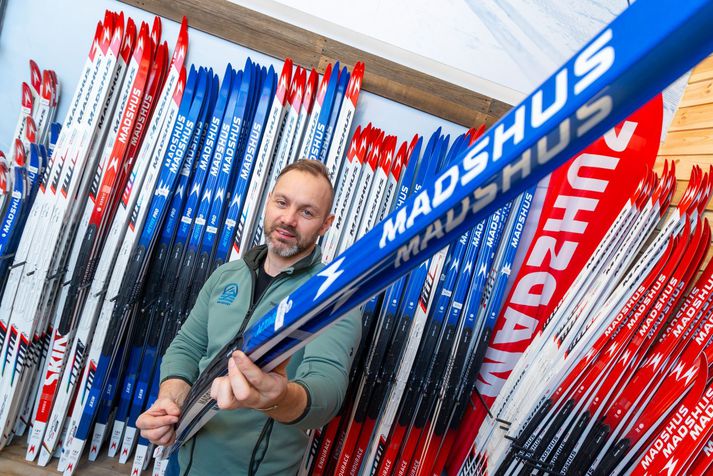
(278, 39)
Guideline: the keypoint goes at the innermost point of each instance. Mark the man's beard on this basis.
(283, 250)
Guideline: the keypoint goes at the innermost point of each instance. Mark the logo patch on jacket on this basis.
(229, 294)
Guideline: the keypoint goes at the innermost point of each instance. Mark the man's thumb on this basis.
(171, 408)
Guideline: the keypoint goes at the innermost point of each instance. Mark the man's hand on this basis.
(157, 424)
(246, 386)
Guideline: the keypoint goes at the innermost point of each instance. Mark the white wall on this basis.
(57, 35)
(501, 48)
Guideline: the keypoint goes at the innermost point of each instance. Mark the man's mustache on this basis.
(289, 229)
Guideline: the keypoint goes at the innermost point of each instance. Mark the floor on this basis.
(12, 463)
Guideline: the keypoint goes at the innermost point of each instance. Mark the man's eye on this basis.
(308, 213)
(281, 203)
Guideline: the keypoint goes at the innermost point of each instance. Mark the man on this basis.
(261, 428)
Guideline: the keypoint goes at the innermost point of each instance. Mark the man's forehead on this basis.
(296, 183)
(304, 179)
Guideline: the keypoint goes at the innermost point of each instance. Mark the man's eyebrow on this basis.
(309, 205)
(315, 208)
(302, 205)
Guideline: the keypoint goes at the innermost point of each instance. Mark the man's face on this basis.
(297, 213)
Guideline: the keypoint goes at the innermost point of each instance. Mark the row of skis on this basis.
(617, 381)
(29, 150)
(422, 337)
(609, 298)
(157, 176)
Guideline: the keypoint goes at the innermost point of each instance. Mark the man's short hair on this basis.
(312, 167)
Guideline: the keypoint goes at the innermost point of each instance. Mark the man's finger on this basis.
(241, 387)
(160, 421)
(147, 421)
(252, 372)
(172, 408)
(167, 439)
(222, 393)
(156, 434)
(156, 411)
(164, 406)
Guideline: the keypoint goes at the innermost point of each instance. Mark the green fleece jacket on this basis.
(232, 439)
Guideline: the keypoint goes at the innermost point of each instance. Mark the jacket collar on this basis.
(256, 256)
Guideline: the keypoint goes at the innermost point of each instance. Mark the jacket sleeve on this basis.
(324, 370)
(189, 346)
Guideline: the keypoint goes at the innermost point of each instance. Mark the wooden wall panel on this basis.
(278, 39)
(689, 141)
(692, 118)
(684, 164)
(702, 72)
(697, 93)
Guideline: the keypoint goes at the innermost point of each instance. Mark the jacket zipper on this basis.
(265, 432)
(251, 309)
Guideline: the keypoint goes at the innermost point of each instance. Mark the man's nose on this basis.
(290, 217)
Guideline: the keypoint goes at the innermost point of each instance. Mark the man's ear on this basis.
(327, 223)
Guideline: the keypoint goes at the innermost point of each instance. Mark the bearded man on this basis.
(260, 429)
